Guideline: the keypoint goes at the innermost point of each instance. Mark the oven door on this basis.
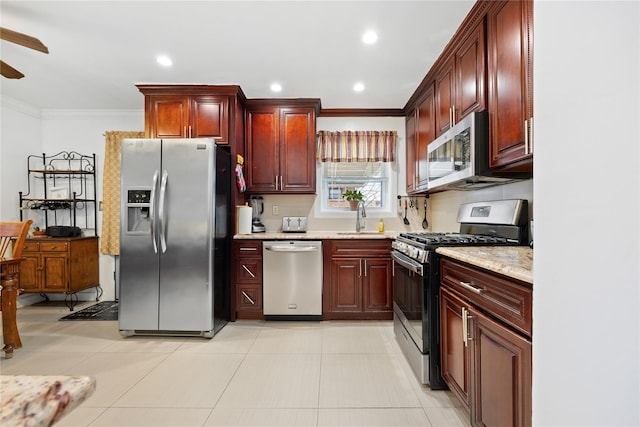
(409, 297)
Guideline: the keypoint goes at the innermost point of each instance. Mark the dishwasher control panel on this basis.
(294, 224)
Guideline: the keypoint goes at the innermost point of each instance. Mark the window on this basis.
(372, 179)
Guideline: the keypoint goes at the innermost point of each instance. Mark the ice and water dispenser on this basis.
(138, 203)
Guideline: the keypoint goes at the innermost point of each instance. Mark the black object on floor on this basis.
(104, 310)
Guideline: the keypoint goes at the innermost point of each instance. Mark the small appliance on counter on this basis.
(63, 231)
(257, 204)
(294, 224)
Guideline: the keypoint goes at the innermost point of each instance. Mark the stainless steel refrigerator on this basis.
(174, 237)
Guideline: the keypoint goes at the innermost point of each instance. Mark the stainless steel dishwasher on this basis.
(292, 280)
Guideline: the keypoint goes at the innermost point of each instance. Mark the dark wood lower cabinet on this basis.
(486, 356)
(357, 279)
(455, 356)
(247, 279)
(501, 373)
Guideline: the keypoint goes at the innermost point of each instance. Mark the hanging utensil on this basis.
(406, 221)
(425, 224)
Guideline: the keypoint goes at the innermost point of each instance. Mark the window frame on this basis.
(389, 202)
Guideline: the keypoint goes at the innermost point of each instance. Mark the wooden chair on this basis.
(12, 235)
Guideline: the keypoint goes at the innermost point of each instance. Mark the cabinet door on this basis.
(29, 272)
(411, 152)
(262, 150)
(470, 74)
(377, 285)
(297, 151)
(444, 97)
(249, 300)
(209, 118)
(454, 353)
(425, 135)
(509, 41)
(501, 373)
(54, 272)
(345, 285)
(249, 270)
(167, 116)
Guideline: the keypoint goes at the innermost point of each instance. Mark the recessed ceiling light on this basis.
(276, 87)
(370, 37)
(164, 60)
(358, 87)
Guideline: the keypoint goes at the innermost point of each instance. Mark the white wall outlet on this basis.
(274, 210)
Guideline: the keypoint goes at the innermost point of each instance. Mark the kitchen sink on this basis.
(357, 233)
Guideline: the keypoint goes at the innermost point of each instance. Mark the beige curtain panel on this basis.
(357, 146)
(110, 237)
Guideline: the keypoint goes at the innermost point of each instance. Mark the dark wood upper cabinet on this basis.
(487, 65)
(280, 146)
(426, 132)
(194, 111)
(411, 155)
(210, 117)
(444, 97)
(509, 53)
(184, 116)
(470, 77)
(460, 81)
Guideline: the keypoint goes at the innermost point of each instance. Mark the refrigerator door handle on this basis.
(152, 211)
(161, 212)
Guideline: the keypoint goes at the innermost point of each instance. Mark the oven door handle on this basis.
(407, 263)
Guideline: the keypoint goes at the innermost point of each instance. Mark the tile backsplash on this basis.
(442, 209)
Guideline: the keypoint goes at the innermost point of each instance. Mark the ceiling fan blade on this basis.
(9, 72)
(23, 40)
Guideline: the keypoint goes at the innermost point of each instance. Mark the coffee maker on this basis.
(257, 206)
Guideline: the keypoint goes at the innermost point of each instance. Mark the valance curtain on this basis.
(357, 146)
(110, 237)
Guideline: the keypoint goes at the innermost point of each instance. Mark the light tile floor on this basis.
(252, 373)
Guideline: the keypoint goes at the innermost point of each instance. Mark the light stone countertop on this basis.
(37, 400)
(319, 235)
(511, 261)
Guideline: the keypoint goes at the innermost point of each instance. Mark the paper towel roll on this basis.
(243, 219)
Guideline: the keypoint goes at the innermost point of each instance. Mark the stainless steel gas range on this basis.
(416, 282)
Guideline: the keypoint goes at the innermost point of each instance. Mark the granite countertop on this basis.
(36, 400)
(319, 235)
(511, 261)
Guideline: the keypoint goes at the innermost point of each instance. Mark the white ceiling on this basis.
(100, 49)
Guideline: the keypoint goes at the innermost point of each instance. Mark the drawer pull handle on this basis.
(252, 302)
(248, 271)
(249, 249)
(469, 287)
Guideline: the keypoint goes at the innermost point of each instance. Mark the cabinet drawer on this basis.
(31, 247)
(54, 246)
(249, 270)
(506, 299)
(360, 248)
(249, 298)
(248, 248)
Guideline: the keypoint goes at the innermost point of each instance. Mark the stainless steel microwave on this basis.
(459, 158)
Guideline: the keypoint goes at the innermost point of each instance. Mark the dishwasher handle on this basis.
(291, 248)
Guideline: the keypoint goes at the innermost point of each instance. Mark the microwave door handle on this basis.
(152, 212)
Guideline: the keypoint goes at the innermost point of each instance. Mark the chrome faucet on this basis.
(359, 224)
